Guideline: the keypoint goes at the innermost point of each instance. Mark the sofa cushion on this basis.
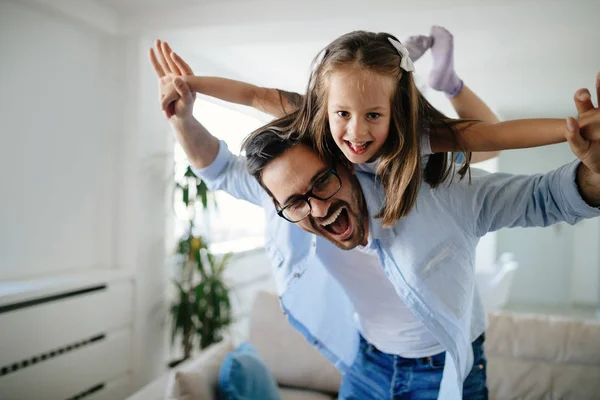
(244, 376)
(198, 378)
(291, 359)
(509, 378)
(543, 338)
(191, 385)
(538, 356)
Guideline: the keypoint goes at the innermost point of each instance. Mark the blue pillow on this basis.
(244, 376)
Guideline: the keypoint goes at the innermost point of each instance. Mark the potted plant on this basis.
(202, 309)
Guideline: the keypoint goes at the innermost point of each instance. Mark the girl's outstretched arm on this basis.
(274, 102)
(517, 134)
(469, 106)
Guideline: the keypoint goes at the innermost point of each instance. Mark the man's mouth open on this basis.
(338, 224)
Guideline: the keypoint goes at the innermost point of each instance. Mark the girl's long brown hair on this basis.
(399, 166)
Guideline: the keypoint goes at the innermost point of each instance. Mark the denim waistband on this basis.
(422, 360)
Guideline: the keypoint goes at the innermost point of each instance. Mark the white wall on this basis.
(84, 161)
(145, 150)
(248, 273)
(552, 262)
(585, 275)
(59, 131)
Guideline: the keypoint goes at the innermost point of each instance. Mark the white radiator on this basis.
(66, 338)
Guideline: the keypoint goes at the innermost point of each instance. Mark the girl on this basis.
(278, 103)
(362, 102)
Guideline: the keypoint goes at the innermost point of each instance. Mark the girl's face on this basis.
(359, 112)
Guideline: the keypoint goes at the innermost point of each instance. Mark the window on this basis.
(233, 225)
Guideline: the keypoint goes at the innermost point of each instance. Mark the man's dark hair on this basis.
(269, 142)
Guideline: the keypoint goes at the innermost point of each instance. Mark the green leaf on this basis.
(182, 291)
(200, 265)
(202, 193)
(183, 247)
(217, 300)
(199, 292)
(181, 312)
(186, 196)
(224, 261)
(174, 322)
(189, 172)
(203, 307)
(211, 262)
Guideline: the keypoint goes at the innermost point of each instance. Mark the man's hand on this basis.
(589, 116)
(175, 96)
(587, 150)
(177, 102)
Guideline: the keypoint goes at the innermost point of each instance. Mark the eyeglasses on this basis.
(326, 186)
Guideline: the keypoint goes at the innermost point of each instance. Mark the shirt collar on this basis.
(375, 198)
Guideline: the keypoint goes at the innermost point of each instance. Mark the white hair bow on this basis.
(405, 63)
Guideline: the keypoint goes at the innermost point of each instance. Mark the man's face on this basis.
(341, 219)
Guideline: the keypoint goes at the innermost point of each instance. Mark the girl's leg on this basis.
(443, 77)
(417, 46)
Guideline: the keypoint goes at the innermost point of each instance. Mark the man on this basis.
(387, 312)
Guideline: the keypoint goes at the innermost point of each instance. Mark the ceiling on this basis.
(525, 58)
(127, 8)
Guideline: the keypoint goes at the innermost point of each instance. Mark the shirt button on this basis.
(297, 275)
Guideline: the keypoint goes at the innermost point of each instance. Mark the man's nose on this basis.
(319, 207)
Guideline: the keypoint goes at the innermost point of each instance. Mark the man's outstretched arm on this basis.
(567, 194)
(589, 185)
(209, 158)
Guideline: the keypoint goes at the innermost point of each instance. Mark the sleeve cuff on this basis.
(572, 195)
(216, 167)
(425, 143)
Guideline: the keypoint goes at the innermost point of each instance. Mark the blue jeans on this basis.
(378, 375)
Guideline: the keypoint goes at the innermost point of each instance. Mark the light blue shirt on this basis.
(428, 256)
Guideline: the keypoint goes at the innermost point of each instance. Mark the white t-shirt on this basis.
(425, 144)
(382, 317)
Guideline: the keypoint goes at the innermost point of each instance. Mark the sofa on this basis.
(530, 356)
